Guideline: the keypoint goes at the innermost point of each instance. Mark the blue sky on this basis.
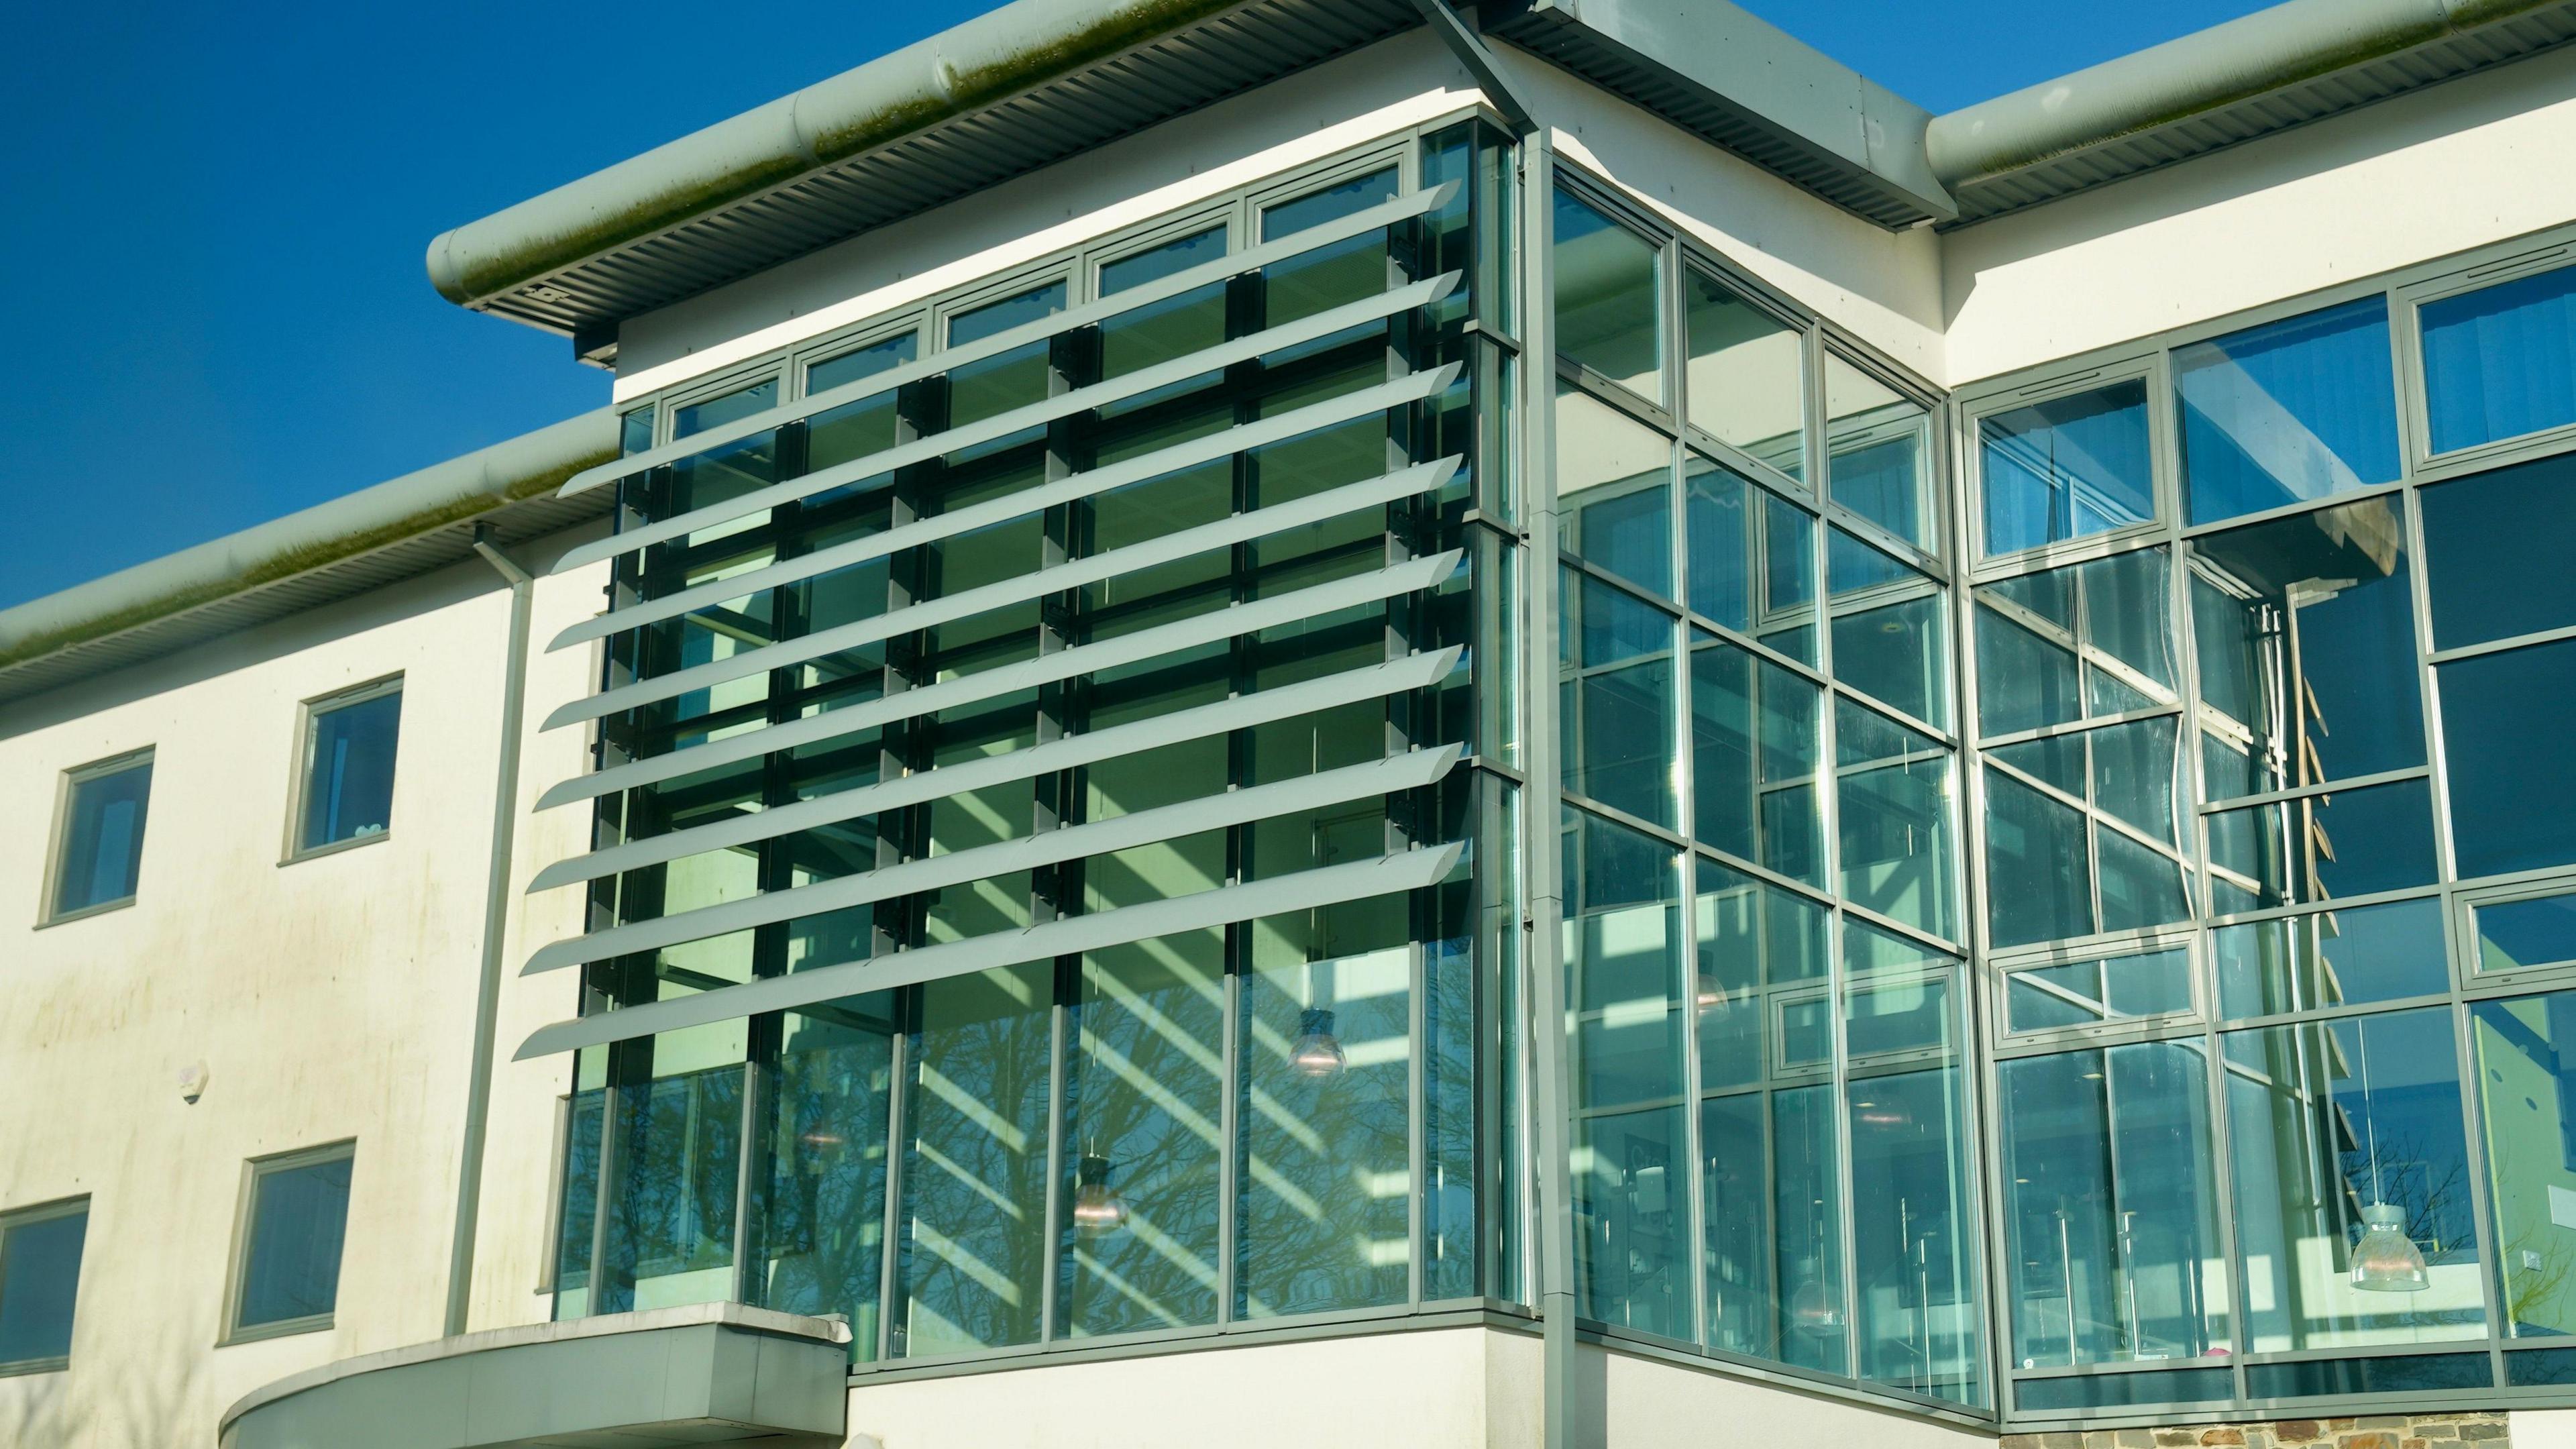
(210, 251)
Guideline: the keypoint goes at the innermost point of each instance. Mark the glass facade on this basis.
(2064, 893)
(1113, 656)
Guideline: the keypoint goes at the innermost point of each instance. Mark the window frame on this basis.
(2131, 363)
(2508, 262)
(308, 716)
(245, 1213)
(45, 1212)
(67, 784)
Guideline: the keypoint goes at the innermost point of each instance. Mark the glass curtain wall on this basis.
(2272, 819)
(1263, 671)
(1756, 730)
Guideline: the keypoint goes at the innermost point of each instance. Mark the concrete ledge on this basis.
(706, 1374)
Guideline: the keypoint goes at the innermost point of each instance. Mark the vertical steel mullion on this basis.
(1061, 984)
(750, 1171)
(1417, 1079)
(1542, 843)
(611, 1164)
(1683, 772)
(2472, 1110)
(898, 1111)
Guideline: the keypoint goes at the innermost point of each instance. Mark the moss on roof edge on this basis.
(1121, 30)
(287, 563)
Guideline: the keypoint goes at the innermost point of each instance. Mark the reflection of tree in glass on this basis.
(974, 1176)
(823, 1215)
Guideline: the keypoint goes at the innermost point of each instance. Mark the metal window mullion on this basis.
(2491, 1263)
(898, 1127)
(1417, 1081)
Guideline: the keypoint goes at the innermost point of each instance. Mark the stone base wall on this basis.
(2472, 1430)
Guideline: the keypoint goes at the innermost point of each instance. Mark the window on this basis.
(2495, 551)
(99, 845)
(2501, 362)
(2066, 468)
(1744, 377)
(40, 1259)
(345, 791)
(2288, 412)
(1609, 298)
(2513, 786)
(295, 1215)
(1878, 454)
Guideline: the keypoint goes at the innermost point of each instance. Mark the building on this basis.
(1541, 725)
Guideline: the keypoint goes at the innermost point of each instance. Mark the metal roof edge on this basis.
(525, 468)
(960, 70)
(2193, 75)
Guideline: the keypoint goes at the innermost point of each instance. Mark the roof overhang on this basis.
(399, 529)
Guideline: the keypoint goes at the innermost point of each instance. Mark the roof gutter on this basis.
(976, 64)
(523, 467)
(2200, 72)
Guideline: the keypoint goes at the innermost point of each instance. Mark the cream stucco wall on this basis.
(329, 999)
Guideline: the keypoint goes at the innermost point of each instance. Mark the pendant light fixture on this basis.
(1097, 1212)
(2385, 1260)
(1316, 1052)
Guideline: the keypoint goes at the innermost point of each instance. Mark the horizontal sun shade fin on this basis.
(1145, 295)
(1243, 437)
(1305, 890)
(1073, 842)
(1225, 532)
(1288, 608)
(1002, 425)
(1287, 701)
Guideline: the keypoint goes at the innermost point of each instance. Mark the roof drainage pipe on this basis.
(2200, 72)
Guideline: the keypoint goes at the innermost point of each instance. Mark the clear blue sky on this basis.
(210, 246)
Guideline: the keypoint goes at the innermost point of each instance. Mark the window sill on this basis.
(63, 918)
(336, 847)
(283, 1328)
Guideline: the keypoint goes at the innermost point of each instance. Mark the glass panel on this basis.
(2536, 932)
(1609, 298)
(1623, 962)
(2085, 640)
(635, 431)
(1331, 203)
(1915, 1261)
(1751, 558)
(2288, 412)
(349, 771)
(291, 1255)
(1891, 631)
(2495, 552)
(102, 847)
(1773, 1242)
(2111, 1391)
(1746, 375)
(2066, 468)
(1617, 707)
(715, 412)
(1163, 260)
(1144, 1138)
(676, 1156)
(1878, 455)
(822, 1217)
(2113, 1212)
(2083, 993)
(40, 1263)
(2501, 362)
(974, 1233)
(2512, 779)
(2322, 847)
(2035, 855)
(1756, 760)
(2332, 1124)
(860, 362)
(2526, 1057)
(1323, 1176)
(2405, 1373)
(2386, 952)
(993, 318)
(1896, 829)
(1614, 485)
(2306, 638)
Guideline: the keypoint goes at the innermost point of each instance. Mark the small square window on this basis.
(99, 849)
(346, 792)
(40, 1258)
(294, 1219)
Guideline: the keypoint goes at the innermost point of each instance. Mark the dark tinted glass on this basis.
(2513, 781)
(714, 412)
(1002, 316)
(349, 771)
(2495, 553)
(291, 1262)
(102, 839)
(1330, 204)
(39, 1279)
(1155, 263)
(867, 361)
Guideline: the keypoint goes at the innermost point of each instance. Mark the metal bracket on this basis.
(1471, 52)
